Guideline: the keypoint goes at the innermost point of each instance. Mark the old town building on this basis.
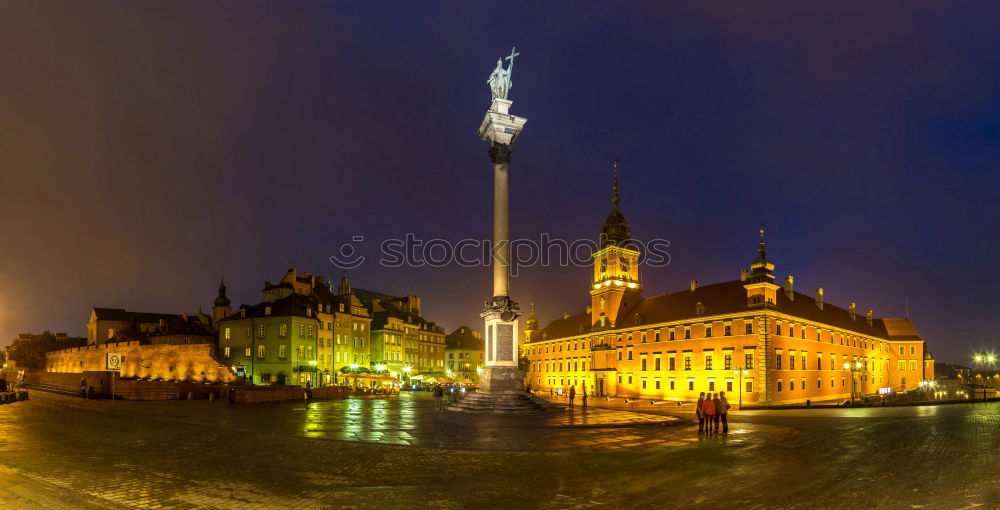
(406, 343)
(464, 353)
(759, 341)
(301, 332)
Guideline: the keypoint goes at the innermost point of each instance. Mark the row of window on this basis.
(655, 383)
(644, 337)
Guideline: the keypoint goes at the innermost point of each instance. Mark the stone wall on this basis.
(193, 362)
(128, 389)
(259, 394)
(331, 392)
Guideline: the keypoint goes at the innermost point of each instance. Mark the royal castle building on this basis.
(756, 340)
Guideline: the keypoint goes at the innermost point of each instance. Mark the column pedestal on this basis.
(501, 373)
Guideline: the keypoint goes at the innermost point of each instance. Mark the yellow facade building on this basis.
(756, 340)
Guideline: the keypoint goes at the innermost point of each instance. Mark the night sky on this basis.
(149, 147)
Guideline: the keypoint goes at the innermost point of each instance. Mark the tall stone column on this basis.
(501, 373)
(500, 155)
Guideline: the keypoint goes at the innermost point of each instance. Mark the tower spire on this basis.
(760, 249)
(761, 268)
(614, 187)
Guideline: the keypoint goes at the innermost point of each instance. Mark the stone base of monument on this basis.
(501, 391)
(501, 379)
(503, 404)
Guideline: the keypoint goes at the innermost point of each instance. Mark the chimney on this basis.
(852, 309)
(744, 275)
(868, 317)
(790, 288)
(694, 285)
(819, 298)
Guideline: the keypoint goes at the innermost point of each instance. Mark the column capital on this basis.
(500, 153)
(502, 307)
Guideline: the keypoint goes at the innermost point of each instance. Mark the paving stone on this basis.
(60, 452)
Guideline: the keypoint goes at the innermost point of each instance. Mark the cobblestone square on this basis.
(61, 452)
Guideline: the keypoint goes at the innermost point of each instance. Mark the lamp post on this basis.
(406, 373)
(354, 368)
(741, 372)
(855, 367)
(981, 361)
(928, 385)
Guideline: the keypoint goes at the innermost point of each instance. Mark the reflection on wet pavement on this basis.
(353, 453)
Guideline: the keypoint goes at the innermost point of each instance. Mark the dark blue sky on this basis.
(148, 147)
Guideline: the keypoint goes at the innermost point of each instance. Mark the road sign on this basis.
(114, 361)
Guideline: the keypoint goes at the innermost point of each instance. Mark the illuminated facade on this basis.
(465, 353)
(752, 338)
(303, 331)
(403, 341)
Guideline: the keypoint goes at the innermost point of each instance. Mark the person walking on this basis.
(722, 410)
(709, 408)
(701, 412)
(83, 387)
(572, 395)
(438, 397)
(585, 396)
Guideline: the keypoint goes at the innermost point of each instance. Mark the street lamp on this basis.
(354, 368)
(982, 360)
(928, 386)
(855, 367)
(741, 372)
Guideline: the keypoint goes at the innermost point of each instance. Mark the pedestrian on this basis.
(709, 408)
(83, 387)
(584, 396)
(3, 384)
(438, 397)
(572, 395)
(722, 409)
(700, 411)
(550, 392)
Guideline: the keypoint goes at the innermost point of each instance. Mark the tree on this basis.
(30, 352)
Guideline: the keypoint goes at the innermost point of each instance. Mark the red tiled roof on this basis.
(726, 298)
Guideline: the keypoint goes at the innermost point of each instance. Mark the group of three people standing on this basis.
(712, 411)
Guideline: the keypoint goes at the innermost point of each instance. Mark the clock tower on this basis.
(616, 272)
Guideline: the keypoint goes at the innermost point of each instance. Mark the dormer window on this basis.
(243, 312)
(341, 307)
(267, 310)
(309, 312)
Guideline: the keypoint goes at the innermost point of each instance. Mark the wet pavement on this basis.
(60, 452)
